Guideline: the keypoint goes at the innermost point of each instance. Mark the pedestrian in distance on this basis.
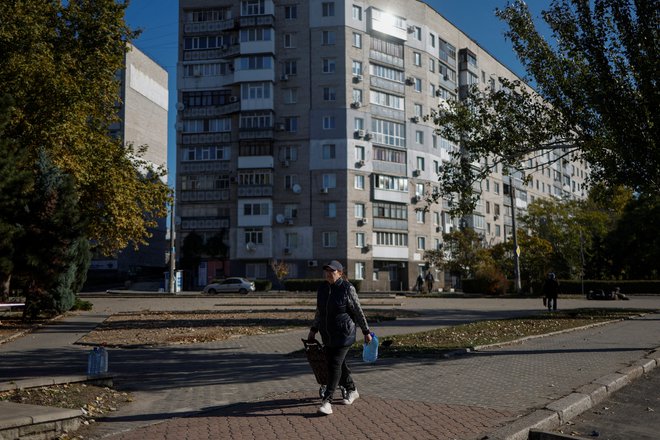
(420, 283)
(429, 281)
(338, 311)
(551, 292)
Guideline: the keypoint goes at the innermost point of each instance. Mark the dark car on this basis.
(234, 284)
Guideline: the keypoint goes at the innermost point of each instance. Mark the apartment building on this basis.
(143, 109)
(300, 136)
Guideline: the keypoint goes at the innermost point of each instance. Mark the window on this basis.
(391, 183)
(498, 231)
(357, 40)
(329, 180)
(289, 41)
(359, 181)
(329, 151)
(359, 239)
(254, 235)
(418, 110)
(291, 211)
(289, 152)
(389, 155)
(290, 95)
(496, 209)
(358, 123)
(431, 65)
(421, 242)
(417, 58)
(419, 137)
(290, 67)
(391, 239)
(420, 216)
(487, 207)
(291, 240)
(388, 132)
(417, 33)
(432, 40)
(359, 152)
(329, 65)
(357, 13)
(255, 34)
(328, 122)
(436, 218)
(359, 270)
(420, 163)
(328, 38)
(431, 89)
(253, 7)
(290, 180)
(496, 187)
(291, 12)
(387, 73)
(390, 210)
(330, 209)
(418, 85)
(329, 94)
(386, 100)
(360, 210)
(291, 124)
(357, 68)
(329, 239)
(257, 90)
(328, 9)
(419, 190)
(357, 95)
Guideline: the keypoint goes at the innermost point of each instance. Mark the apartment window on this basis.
(419, 137)
(358, 123)
(329, 151)
(329, 65)
(386, 100)
(255, 34)
(359, 239)
(496, 187)
(418, 85)
(359, 181)
(360, 268)
(498, 231)
(434, 142)
(432, 40)
(329, 94)
(250, 209)
(388, 132)
(360, 210)
(419, 189)
(254, 235)
(291, 240)
(496, 208)
(291, 211)
(417, 58)
(290, 95)
(291, 67)
(289, 41)
(357, 13)
(436, 218)
(328, 9)
(488, 185)
(431, 65)
(391, 183)
(291, 12)
(329, 180)
(328, 122)
(417, 108)
(357, 95)
(359, 152)
(420, 216)
(431, 89)
(357, 68)
(253, 7)
(420, 162)
(417, 33)
(329, 239)
(330, 210)
(328, 38)
(289, 152)
(389, 155)
(391, 239)
(291, 124)
(290, 180)
(421, 242)
(357, 40)
(255, 90)
(487, 207)
(387, 73)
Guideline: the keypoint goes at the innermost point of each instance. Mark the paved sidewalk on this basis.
(248, 388)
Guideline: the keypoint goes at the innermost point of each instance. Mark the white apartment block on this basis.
(300, 136)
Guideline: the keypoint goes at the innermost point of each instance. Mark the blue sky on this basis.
(158, 20)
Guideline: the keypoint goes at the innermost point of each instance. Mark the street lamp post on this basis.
(172, 286)
(516, 250)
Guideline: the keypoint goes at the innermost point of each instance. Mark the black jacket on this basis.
(337, 312)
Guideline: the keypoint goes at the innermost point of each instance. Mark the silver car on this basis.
(235, 284)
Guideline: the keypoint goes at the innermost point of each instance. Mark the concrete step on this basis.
(33, 422)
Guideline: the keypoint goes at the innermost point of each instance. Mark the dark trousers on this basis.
(552, 303)
(338, 371)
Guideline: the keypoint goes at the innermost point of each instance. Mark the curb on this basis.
(555, 414)
(29, 330)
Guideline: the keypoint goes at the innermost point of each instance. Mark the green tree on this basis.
(60, 62)
(465, 252)
(54, 249)
(600, 73)
(15, 184)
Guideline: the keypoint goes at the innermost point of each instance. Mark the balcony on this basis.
(256, 20)
(197, 112)
(204, 196)
(204, 167)
(212, 54)
(205, 138)
(255, 191)
(197, 223)
(386, 59)
(255, 133)
(205, 27)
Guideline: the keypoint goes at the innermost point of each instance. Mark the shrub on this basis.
(487, 280)
(263, 285)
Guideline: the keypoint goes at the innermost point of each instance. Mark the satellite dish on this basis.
(279, 218)
(296, 188)
(250, 246)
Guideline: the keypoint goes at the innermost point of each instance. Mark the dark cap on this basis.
(334, 265)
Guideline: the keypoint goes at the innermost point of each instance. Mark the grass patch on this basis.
(442, 340)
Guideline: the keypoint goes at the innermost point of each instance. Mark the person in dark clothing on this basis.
(338, 311)
(429, 281)
(420, 283)
(551, 291)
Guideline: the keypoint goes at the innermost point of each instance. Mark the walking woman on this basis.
(338, 311)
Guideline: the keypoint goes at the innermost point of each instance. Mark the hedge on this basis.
(311, 285)
(263, 285)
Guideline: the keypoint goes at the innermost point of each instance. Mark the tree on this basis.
(53, 251)
(15, 184)
(60, 63)
(601, 75)
(465, 252)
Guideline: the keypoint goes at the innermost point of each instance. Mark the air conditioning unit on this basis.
(415, 119)
(356, 104)
(233, 99)
(280, 127)
(312, 263)
(361, 163)
(366, 247)
(324, 190)
(438, 229)
(357, 78)
(416, 173)
(359, 133)
(367, 136)
(365, 221)
(411, 29)
(285, 163)
(287, 250)
(438, 93)
(284, 77)
(289, 221)
(415, 199)
(410, 81)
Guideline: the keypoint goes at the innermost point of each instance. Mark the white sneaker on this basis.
(325, 408)
(350, 397)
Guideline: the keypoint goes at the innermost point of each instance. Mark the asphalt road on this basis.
(630, 413)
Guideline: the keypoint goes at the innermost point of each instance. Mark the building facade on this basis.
(143, 110)
(300, 136)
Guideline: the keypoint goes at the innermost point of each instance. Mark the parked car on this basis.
(234, 284)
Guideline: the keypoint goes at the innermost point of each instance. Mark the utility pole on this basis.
(172, 286)
(516, 250)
